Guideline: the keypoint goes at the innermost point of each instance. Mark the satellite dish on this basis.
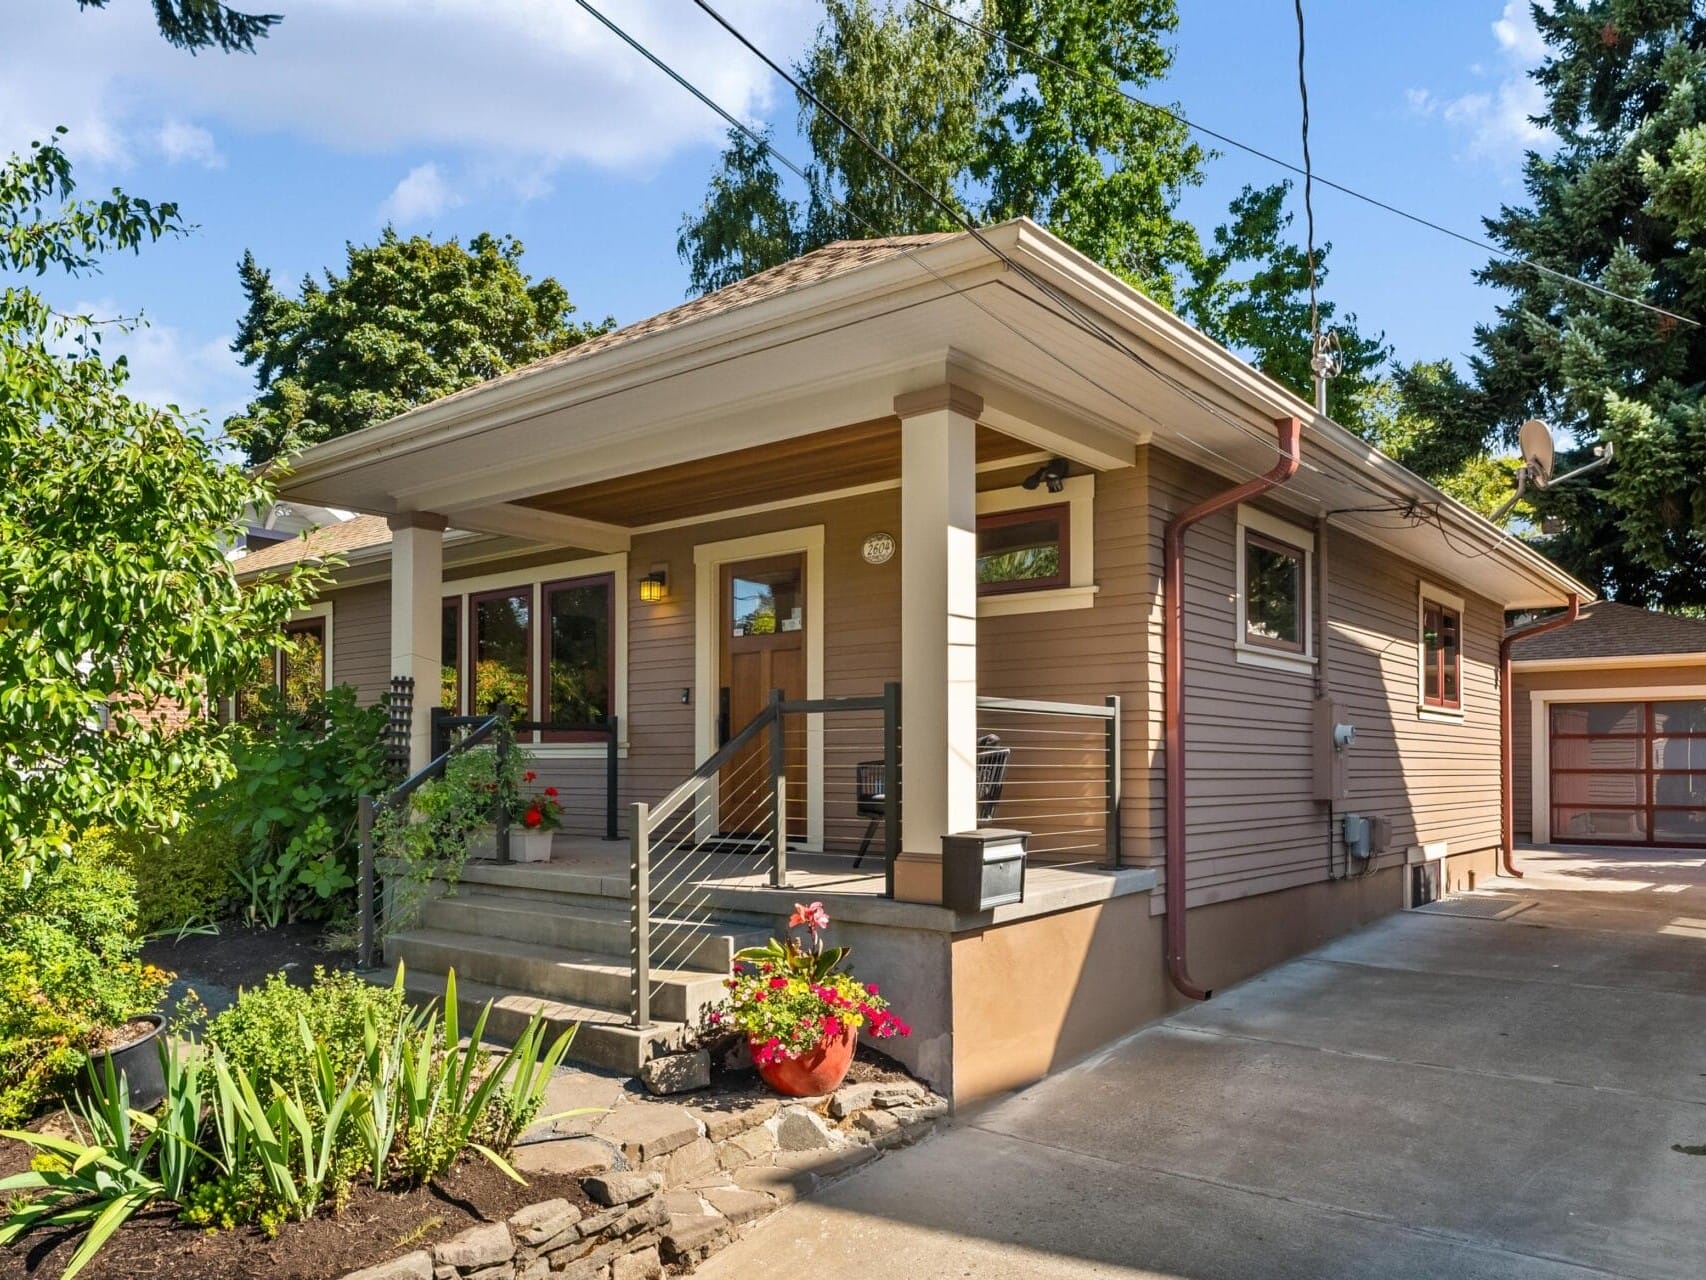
(1534, 438)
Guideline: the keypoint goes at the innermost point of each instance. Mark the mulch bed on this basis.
(375, 1226)
(238, 956)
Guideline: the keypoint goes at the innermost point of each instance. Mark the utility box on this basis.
(983, 869)
(1333, 738)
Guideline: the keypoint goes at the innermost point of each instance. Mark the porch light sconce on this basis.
(1052, 473)
(654, 586)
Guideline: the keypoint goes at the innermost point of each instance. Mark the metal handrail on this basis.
(369, 807)
(1109, 714)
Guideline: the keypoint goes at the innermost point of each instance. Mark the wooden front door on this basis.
(762, 621)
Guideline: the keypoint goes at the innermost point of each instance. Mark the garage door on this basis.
(1629, 772)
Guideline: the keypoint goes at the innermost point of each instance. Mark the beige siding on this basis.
(361, 639)
(1253, 824)
(1522, 735)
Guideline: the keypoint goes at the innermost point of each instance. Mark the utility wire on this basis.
(1179, 118)
(1308, 193)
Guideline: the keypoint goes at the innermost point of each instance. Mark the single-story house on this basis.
(905, 541)
(1609, 730)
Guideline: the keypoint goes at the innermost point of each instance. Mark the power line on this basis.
(1179, 118)
(1308, 187)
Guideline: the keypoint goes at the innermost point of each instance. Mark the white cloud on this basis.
(168, 365)
(1495, 124)
(498, 80)
(423, 193)
(184, 143)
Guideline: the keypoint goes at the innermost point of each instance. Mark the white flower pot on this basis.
(530, 846)
(483, 846)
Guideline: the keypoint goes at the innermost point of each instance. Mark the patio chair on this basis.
(992, 760)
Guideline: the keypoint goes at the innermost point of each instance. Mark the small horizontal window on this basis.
(1025, 550)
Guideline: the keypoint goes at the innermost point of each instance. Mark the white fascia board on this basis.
(1610, 662)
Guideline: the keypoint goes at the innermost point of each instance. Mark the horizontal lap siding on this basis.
(1522, 713)
(1253, 824)
(361, 639)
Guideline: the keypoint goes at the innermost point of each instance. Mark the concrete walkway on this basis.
(1436, 1096)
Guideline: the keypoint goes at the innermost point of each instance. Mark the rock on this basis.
(616, 1189)
(538, 1269)
(503, 1271)
(567, 1155)
(725, 1120)
(881, 1128)
(802, 1130)
(895, 1093)
(694, 1237)
(934, 1109)
(411, 1266)
(645, 1131)
(475, 1248)
(683, 1204)
(875, 1093)
(590, 1096)
(446, 1273)
(644, 1265)
(778, 1183)
(738, 1206)
(539, 1225)
(677, 1073)
(738, 1056)
(755, 1144)
(686, 1163)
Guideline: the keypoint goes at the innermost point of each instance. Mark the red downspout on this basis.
(1173, 685)
(1507, 818)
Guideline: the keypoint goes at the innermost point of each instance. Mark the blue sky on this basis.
(519, 116)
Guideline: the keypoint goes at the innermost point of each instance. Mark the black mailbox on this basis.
(983, 869)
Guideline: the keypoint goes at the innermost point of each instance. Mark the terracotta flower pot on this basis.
(810, 1075)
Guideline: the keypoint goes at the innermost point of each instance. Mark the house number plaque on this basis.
(879, 548)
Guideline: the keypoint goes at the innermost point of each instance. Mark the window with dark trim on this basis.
(302, 666)
(450, 657)
(1276, 608)
(500, 641)
(1025, 550)
(1442, 656)
(577, 641)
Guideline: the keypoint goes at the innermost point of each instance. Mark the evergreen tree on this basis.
(408, 321)
(194, 25)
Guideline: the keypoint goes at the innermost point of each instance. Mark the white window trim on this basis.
(1426, 591)
(1540, 737)
(708, 560)
(1079, 495)
(533, 580)
(1257, 655)
(323, 611)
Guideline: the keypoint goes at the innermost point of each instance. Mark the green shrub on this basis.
(68, 972)
(183, 877)
(261, 1033)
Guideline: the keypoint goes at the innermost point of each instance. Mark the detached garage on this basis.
(1609, 730)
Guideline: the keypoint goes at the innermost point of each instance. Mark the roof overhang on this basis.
(840, 349)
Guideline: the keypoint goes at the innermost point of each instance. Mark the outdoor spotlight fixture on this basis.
(1052, 473)
(654, 586)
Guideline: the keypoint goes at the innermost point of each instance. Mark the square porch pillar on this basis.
(417, 602)
(938, 631)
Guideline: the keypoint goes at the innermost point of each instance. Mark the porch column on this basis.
(417, 601)
(938, 631)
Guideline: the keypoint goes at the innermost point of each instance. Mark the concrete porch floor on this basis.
(1433, 1096)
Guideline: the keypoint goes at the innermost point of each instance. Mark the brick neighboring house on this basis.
(1609, 730)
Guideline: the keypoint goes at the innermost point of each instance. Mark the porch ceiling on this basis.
(822, 462)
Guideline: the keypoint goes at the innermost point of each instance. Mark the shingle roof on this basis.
(1610, 630)
(348, 535)
(832, 259)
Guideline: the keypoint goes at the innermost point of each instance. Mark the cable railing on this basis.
(734, 819)
(1052, 769)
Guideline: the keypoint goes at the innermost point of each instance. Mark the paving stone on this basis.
(802, 1130)
(757, 1143)
(892, 1093)
(850, 1098)
(475, 1248)
(644, 1265)
(446, 1273)
(783, 1184)
(677, 1073)
(537, 1269)
(539, 1224)
(683, 1203)
(737, 1205)
(935, 1109)
(567, 1155)
(724, 1120)
(645, 1131)
(825, 1164)
(411, 1266)
(616, 1189)
(580, 1091)
(694, 1237)
(503, 1271)
(685, 1163)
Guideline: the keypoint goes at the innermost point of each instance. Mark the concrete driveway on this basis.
(1436, 1096)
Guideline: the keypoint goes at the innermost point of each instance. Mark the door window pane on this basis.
(450, 657)
(1599, 788)
(502, 630)
(1598, 753)
(1679, 717)
(302, 666)
(578, 641)
(1273, 593)
(1679, 753)
(1684, 825)
(1599, 717)
(1023, 550)
(1680, 788)
(763, 603)
(1598, 824)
